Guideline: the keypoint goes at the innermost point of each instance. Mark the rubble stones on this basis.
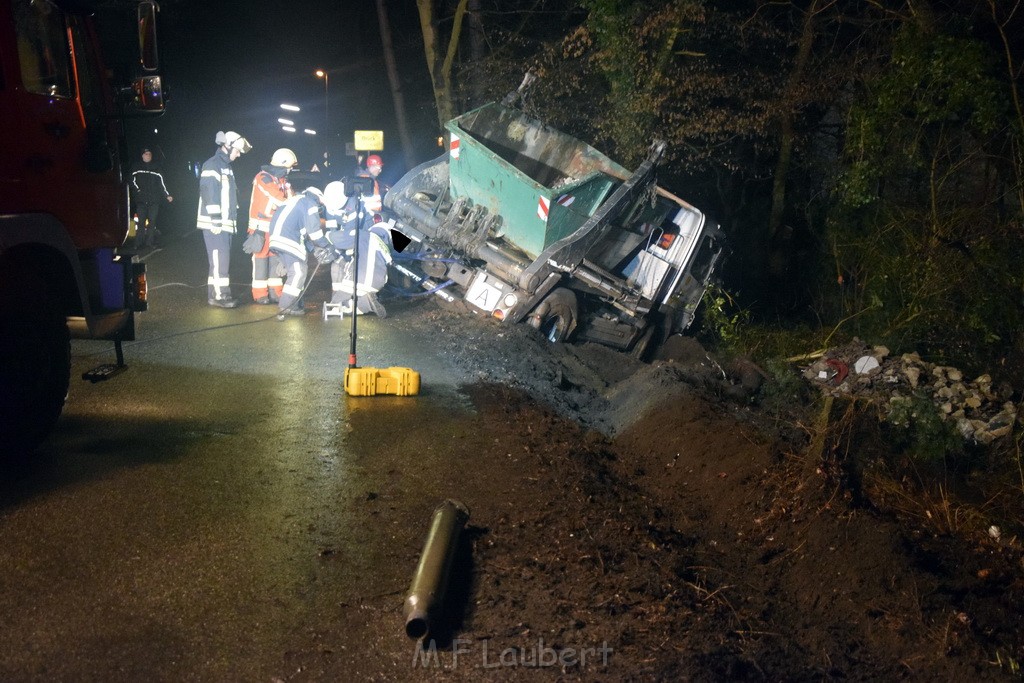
(866, 365)
(980, 413)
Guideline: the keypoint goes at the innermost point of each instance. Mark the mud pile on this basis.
(594, 385)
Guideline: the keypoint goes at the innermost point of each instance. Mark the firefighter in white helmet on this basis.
(375, 250)
(270, 190)
(340, 231)
(218, 212)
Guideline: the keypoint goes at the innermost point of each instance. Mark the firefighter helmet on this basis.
(284, 157)
(374, 160)
(235, 141)
(334, 196)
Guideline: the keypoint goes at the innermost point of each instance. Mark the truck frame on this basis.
(528, 224)
(64, 205)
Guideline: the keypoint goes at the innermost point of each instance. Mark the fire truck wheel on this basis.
(35, 372)
(559, 319)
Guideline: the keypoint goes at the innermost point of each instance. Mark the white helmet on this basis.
(284, 157)
(315, 192)
(235, 141)
(334, 196)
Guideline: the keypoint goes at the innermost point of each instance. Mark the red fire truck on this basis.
(64, 212)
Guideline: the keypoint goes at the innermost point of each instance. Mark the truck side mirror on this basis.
(149, 94)
(147, 36)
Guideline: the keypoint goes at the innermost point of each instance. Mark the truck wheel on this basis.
(655, 336)
(35, 372)
(642, 347)
(559, 318)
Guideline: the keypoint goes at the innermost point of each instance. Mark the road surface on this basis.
(212, 513)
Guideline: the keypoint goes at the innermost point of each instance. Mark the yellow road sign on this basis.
(369, 140)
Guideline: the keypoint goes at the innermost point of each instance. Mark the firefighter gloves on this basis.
(324, 255)
(254, 242)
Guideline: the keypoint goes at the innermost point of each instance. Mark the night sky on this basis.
(228, 65)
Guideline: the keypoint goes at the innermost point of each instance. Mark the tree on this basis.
(916, 232)
(440, 63)
(396, 85)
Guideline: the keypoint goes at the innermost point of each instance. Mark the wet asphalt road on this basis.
(202, 516)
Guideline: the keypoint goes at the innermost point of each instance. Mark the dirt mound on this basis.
(652, 514)
(597, 386)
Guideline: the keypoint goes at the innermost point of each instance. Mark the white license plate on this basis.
(485, 293)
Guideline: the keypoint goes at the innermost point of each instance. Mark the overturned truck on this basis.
(525, 223)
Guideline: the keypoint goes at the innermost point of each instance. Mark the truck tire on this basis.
(653, 338)
(642, 347)
(35, 372)
(559, 318)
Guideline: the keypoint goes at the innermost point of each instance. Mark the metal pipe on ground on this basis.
(426, 592)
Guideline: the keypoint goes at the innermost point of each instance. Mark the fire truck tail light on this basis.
(140, 287)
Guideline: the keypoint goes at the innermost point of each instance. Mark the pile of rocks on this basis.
(982, 412)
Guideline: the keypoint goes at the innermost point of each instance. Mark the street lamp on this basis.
(322, 73)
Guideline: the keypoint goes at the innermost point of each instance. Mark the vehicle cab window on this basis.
(43, 48)
(90, 89)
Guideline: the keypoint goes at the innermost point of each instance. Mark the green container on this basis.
(543, 183)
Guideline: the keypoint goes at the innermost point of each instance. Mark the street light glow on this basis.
(322, 73)
(290, 107)
(286, 122)
(309, 131)
(290, 129)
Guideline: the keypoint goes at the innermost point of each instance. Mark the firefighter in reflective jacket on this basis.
(270, 190)
(218, 211)
(374, 257)
(340, 222)
(293, 226)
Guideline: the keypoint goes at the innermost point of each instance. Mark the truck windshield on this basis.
(43, 49)
(705, 258)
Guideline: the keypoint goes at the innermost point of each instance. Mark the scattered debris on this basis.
(981, 412)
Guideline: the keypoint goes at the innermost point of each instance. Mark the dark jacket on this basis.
(148, 184)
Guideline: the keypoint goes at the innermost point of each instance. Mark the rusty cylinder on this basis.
(426, 592)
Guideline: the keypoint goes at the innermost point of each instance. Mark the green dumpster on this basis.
(543, 183)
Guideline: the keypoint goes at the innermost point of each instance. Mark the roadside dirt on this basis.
(638, 524)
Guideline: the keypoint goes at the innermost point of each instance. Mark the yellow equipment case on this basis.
(374, 381)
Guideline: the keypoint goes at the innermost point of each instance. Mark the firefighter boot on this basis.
(375, 306)
(295, 309)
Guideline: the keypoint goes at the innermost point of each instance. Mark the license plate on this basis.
(485, 293)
